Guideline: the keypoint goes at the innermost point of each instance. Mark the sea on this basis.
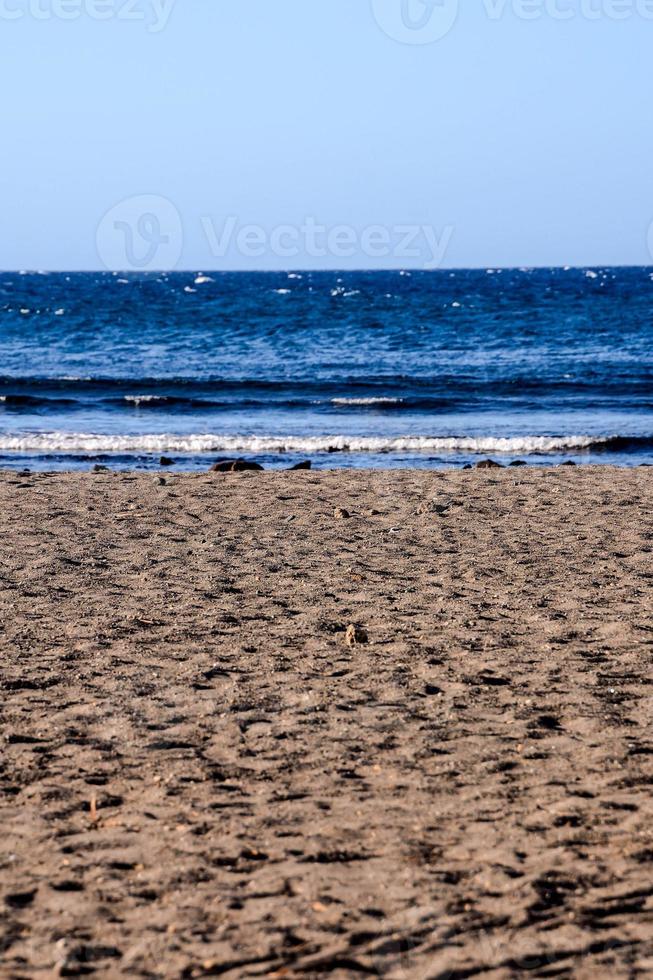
(401, 368)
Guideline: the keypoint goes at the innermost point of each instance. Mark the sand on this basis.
(204, 774)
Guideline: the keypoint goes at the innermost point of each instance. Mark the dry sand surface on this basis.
(202, 776)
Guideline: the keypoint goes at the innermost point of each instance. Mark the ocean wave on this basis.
(34, 401)
(366, 401)
(585, 381)
(75, 442)
(341, 291)
(181, 403)
(151, 400)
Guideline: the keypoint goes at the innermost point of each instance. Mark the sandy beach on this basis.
(303, 724)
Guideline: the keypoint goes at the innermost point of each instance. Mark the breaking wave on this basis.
(76, 442)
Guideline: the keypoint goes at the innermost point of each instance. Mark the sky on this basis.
(256, 134)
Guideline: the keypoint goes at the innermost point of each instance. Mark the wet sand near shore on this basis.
(336, 724)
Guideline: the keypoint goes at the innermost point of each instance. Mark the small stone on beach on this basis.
(355, 636)
(341, 514)
(429, 507)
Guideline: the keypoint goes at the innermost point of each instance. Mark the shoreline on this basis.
(192, 467)
(393, 722)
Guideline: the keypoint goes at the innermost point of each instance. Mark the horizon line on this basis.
(299, 269)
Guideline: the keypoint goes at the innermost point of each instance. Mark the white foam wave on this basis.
(366, 401)
(145, 399)
(71, 442)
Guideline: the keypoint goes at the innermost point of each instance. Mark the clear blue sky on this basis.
(530, 140)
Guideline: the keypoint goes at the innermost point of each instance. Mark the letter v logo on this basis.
(415, 21)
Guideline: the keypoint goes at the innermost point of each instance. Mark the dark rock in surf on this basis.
(518, 462)
(488, 464)
(301, 466)
(166, 461)
(236, 466)
(243, 466)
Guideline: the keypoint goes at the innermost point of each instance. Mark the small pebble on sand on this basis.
(355, 636)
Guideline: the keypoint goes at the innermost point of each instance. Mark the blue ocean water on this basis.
(382, 369)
